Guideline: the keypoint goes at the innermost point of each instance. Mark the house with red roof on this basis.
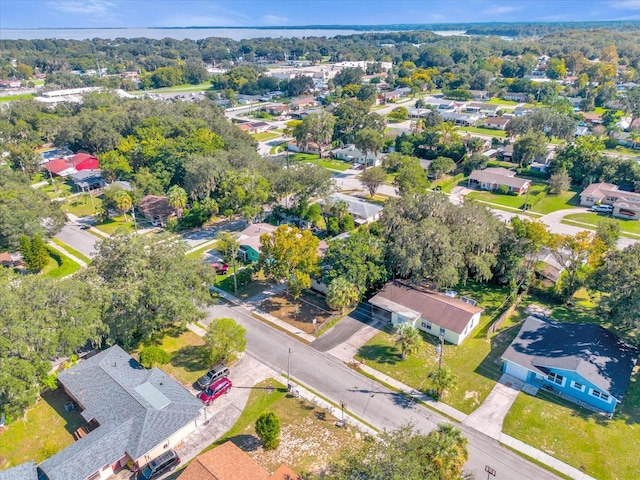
(63, 167)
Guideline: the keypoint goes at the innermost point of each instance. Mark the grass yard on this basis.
(201, 251)
(624, 151)
(332, 164)
(309, 438)
(60, 265)
(484, 131)
(299, 312)
(59, 191)
(82, 205)
(14, 98)
(110, 226)
(277, 148)
(511, 201)
(600, 447)
(539, 197)
(72, 251)
(46, 429)
(302, 157)
(476, 362)
(631, 227)
(187, 87)
(448, 183)
(186, 350)
(262, 137)
(500, 101)
(552, 203)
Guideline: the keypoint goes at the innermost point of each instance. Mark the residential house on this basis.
(304, 103)
(434, 313)
(87, 180)
(249, 240)
(625, 204)
(462, 119)
(63, 167)
(228, 462)
(278, 110)
(24, 471)
(522, 110)
(349, 153)
(254, 127)
(6, 260)
(10, 83)
(494, 178)
(550, 264)
(361, 210)
(439, 103)
(584, 363)
(137, 414)
(310, 147)
(507, 153)
(479, 94)
(592, 118)
(488, 109)
(582, 130)
(156, 209)
(515, 96)
(498, 123)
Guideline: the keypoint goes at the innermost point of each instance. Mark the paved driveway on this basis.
(344, 329)
(489, 417)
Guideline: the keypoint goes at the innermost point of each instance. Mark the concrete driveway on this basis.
(489, 417)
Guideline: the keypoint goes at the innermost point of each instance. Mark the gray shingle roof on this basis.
(24, 471)
(590, 350)
(358, 207)
(137, 409)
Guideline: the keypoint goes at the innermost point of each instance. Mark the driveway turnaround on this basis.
(489, 417)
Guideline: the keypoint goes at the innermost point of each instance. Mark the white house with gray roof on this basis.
(140, 414)
(361, 210)
(494, 178)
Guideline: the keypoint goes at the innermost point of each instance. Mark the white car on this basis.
(602, 208)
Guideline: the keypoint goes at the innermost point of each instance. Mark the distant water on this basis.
(159, 33)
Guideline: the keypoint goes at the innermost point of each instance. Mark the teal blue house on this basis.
(583, 363)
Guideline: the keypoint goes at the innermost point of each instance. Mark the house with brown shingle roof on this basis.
(432, 312)
(228, 462)
(494, 178)
(156, 209)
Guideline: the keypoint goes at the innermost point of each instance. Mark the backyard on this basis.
(484, 131)
(46, 429)
(476, 362)
(309, 438)
(263, 137)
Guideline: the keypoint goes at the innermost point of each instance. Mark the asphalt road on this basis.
(84, 242)
(367, 399)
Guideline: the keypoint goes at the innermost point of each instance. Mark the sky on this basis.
(238, 13)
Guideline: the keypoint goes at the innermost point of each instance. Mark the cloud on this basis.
(498, 10)
(625, 4)
(274, 20)
(85, 7)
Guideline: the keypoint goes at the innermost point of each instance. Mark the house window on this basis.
(577, 386)
(555, 378)
(602, 396)
(442, 330)
(426, 325)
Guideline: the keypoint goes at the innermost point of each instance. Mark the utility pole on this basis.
(440, 349)
(289, 370)
(133, 215)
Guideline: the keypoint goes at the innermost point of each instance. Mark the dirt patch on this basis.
(298, 312)
(473, 395)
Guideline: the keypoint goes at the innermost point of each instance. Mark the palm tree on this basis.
(443, 379)
(408, 339)
(177, 198)
(341, 294)
(123, 202)
(448, 450)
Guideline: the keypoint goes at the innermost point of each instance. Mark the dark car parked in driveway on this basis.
(159, 465)
(217, 389)
(216, 373)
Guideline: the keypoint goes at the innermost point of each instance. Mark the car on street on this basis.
(602, 208)
(166, 462)
(216, 373)
(215, 390)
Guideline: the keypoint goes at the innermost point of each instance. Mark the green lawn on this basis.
(113, 224)
(623, 151)
(200, 251)
(187, 87)
(476, 362)
(46, 429)
(72, 251)
(332, 164)
(484, 131)
(500, 101)
(540, 199)
(186, 350)
(262, 137)
(448, 183)
(302, 157)
(277, 148)
(60, 265)
(13, 98)
(82, 205)
(600, 447)
(59, 191)
(592, 218)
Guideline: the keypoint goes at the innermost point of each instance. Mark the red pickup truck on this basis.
(221, 268)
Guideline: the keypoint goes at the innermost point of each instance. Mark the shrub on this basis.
(268, 429)
(503, 190)
(152, 356)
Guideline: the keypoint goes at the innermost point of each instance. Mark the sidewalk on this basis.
(57, 247)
